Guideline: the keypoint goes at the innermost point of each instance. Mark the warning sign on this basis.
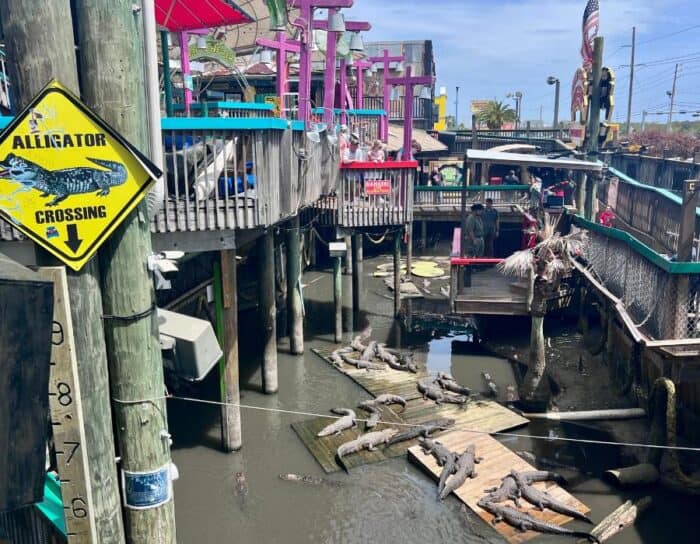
(377, 186)
(67, 180)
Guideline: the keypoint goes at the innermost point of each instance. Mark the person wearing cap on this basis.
(511, 178)
(353, 152)
(475, 232)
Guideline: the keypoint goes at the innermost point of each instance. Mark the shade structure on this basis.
(182, 15)
(427, 142)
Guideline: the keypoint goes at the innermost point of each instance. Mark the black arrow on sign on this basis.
(73, 241)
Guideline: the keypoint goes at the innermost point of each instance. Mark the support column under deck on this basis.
(356, 275)
(268, 311)
(295, 317)
(397, 272)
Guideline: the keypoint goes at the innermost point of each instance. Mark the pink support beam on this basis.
(283, 46)
(343, 91)
(350, 26)
(185, 69)
(385, 59)
(408, 82)
(329, 75)
(361, 66)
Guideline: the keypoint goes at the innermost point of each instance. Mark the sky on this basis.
(493, 47)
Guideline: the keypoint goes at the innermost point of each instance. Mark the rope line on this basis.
(393, 423)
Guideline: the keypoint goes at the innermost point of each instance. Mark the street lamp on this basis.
(551, 80)
(518, 100)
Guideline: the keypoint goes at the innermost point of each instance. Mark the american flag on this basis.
(591, 21)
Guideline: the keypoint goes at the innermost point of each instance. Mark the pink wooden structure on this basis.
(408, 82)
(386, 59)
(282, 45)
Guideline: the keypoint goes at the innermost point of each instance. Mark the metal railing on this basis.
(227, 109)
(422, 107)
(660, 172)
(364, 122)
(375, 194)
(451, 196)
(460, 141)
(661, 297)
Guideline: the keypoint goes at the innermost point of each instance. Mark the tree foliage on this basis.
(678, 144)
(495, 114)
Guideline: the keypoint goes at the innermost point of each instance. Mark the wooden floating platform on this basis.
(492, 293)
(497, 462)
(488, 416)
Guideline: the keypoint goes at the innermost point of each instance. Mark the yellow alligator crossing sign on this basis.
(67, 180)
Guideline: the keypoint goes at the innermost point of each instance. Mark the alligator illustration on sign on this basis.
(61, 184)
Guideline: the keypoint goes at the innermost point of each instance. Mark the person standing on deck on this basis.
(353, 152)
(512, 179)
(475, 232)
(436, 180)
(491, 228)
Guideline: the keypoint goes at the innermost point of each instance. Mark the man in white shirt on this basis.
(353, 152)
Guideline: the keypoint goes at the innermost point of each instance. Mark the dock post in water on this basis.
(424, 235)
(348, 256)
(36, 54)
(226, 293)
(295, 317)
(409, 249)
(338, 299)
(397, 271)
(268, 311)
(356, 275)
(135, 362)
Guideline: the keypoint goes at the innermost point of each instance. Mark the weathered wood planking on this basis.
(497, 463)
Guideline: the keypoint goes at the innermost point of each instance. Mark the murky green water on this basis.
(390, 502)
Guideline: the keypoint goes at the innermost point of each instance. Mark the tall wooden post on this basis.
(112, 70)
(409, 249)
(594, 125)
(226, 292)
(348, 256)
(33, 59)
(268, 311)
(397, 272)
(295, 317)
(167, 82)
(338, 299)
(424, 235)
(356, 275)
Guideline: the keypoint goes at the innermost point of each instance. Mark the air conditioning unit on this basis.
(189, 345)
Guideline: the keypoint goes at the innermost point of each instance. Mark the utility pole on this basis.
(35, 58)
(594, 123)
(457, 108)
(112, 72)
(629, 98)
(673, 99)
(644, 119)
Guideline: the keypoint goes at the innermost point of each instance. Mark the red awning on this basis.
(179, 15)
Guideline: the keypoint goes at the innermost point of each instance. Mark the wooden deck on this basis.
(492, 293)
(497, 463)
(485, 416)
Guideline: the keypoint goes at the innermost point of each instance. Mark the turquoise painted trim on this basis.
(670, 195)
(52, 505)
(229, 123)
(639, 247)
(470, 188)
(358, 113)
(4, 121)
(245, 106)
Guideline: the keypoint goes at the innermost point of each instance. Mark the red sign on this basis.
(377, 186)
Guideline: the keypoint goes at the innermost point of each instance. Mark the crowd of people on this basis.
(352, 149)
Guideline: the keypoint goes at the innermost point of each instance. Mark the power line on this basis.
(668, 35)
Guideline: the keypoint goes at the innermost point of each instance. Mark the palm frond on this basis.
(518, 265)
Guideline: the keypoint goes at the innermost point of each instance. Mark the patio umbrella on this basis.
(182, 15)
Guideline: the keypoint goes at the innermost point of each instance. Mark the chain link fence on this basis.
(662, 304)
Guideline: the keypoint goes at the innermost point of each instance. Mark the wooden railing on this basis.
(227, 109)
(422, 107)
(364, 122)
(233, 173)
(376, 194)
(459, 141)
(452, 195)
(660, 172)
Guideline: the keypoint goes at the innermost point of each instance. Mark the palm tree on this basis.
(495, 114)
(545, 265)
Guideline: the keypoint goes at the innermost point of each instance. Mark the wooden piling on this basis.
(31, 57)
(348, 256)
(409, 249)
(226, 293)
(338, 299)
(268, 311)
(295, 317)
(356, 275)
(397, 272)
(424, 235)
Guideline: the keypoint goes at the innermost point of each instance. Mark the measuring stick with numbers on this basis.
(67, 417)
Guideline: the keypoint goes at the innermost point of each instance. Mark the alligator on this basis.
(436, 449)
(357, 344)
(509, 489)
(308, 479)
(435, 393)
(465, 469)
(348, 421)
(406, 360)
(448, 469)
(542, 500)
(336, 359)
(448, 383)
(424, 429)
(368, 442)
(369, 352)
(525, 522)
(362, 364)
(385, 355)
(388, 398)
(493, 388)
(66, 182)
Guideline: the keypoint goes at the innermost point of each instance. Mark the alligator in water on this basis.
(424, 429)
(362, 365)
(436, 449)
(448, 383)
(60, 184)
(368, 442)
(464, 469)
(542, 500)
(308, 479)
(348, 421)
(438, 395)
(492, 387)
(509, 490)
(525, 522)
